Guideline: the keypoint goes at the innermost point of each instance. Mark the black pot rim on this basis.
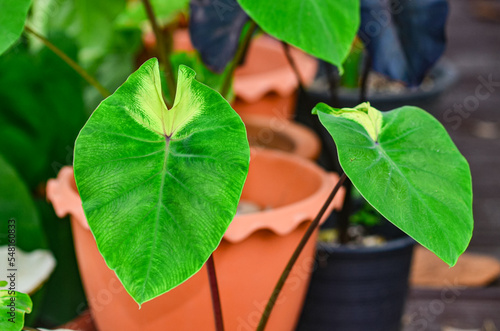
(392, 245)
(444, 73)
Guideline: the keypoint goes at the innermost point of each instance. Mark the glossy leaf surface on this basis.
(12, 18)
(404, 38)
(410, 171)
(215, 28)
(160, 186)
(322, 28)
(13, 305)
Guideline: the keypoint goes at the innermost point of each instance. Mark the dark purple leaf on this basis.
(215, 27)
(404, 38)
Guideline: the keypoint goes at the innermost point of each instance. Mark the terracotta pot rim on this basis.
(251, 87)
(281, 220)
(64, 197)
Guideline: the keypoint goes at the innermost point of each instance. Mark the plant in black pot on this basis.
(392, 163)
(361, 283)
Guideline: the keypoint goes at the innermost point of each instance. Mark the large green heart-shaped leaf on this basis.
(406, 166)
(12, 17)
(322, 28)
(160, 186)
(13, 306)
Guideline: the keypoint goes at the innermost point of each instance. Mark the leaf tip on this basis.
(152, 62)
(321, 107)
(138, 298)
(186, 71)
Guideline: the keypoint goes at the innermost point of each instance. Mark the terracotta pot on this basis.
(265, 84)
(248, 261)
(282, 134)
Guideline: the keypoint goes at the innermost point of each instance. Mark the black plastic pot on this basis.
(358, 289)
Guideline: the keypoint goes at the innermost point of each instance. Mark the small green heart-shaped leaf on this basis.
(411, 172)
(160, 186)
(13, 306)
(12, 17)
(324, 29)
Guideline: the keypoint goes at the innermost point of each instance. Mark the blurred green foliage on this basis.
(44, 105)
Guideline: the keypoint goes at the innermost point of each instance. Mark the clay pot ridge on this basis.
(64, 196)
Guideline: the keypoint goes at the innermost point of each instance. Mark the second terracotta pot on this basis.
(283, 135)
(248, 261)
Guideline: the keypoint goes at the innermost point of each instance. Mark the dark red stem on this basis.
(214, 291)
(279, 285)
